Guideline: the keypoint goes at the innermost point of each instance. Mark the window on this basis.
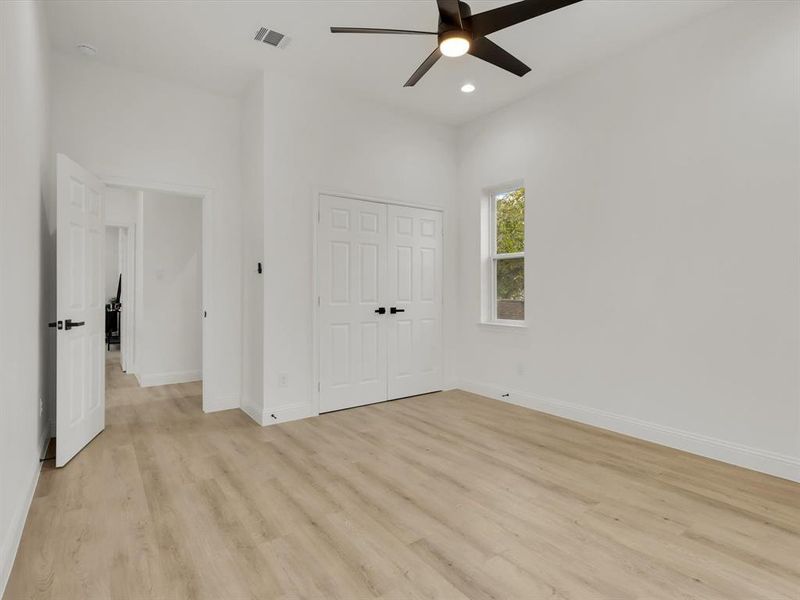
(507, 255)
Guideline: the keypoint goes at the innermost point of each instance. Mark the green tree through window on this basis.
(510, 236)
(510, 218)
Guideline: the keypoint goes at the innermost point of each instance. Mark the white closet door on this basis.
(415, 288)
(352, 269)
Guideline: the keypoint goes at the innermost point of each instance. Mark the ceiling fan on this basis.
(460, 32)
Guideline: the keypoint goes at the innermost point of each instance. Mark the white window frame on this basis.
(492, 257)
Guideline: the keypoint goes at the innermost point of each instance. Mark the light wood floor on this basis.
(443, 496)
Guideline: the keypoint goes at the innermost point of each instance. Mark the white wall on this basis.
(112, 261)
(252, 134)
(118, 123)
(121, 206)
(169, 330)
(336, 143)
(25, 237)
(662, 239)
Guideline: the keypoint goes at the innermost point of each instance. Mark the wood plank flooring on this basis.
(448, 496)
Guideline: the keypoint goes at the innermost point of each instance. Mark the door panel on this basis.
(415, 286)
(80, 397)
(352, 268)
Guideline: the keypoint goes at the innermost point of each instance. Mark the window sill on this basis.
(504, 324)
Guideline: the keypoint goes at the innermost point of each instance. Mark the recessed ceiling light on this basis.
(86, 49)
(468, 88)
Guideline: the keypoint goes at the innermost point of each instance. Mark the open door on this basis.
(80, 392)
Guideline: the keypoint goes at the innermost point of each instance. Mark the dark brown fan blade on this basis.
(449, 12)
(375, 30)
(499, 18)
(424, 67)
(487, 50)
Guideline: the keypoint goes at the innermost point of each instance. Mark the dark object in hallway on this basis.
(113, 312)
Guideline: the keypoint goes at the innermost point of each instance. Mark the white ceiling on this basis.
(210, 44)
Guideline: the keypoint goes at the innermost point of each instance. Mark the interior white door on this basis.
(351, 256)
(414, 278)
(80, 393)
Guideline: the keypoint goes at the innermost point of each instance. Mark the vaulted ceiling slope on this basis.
(209, 44)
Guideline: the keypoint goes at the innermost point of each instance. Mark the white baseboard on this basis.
(286, 413)
(278, 414)
(765, 461)
(10, 545)
(153, 379)
(254, 412)
(212, 405)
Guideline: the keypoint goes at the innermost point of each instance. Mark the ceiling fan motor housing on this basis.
(455, 33)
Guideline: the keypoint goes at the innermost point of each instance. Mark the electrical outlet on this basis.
(283, 380)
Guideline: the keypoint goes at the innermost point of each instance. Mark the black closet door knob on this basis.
(381, 310)
(394, 310)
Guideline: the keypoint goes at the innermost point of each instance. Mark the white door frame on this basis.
(206, 195)
(318, 192)
(130, 292)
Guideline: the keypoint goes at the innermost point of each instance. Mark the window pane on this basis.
(510, 219)
(510, 288)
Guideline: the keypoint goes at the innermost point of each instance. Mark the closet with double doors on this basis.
(379, 269)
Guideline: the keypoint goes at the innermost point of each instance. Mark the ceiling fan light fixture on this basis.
(454, 43)
(468, 88)
(460, 32)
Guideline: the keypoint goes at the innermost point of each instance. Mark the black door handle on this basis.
(58, 324)
(394, 310)
(69, 324)
(381, 310)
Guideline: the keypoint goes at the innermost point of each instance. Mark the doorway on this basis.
(154, 329)
(379, 270)
(161, 294)
(120, 281)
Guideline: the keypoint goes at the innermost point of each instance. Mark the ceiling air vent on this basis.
(271, 37)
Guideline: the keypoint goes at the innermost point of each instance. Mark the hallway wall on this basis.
(169, 325)
(112, 266)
